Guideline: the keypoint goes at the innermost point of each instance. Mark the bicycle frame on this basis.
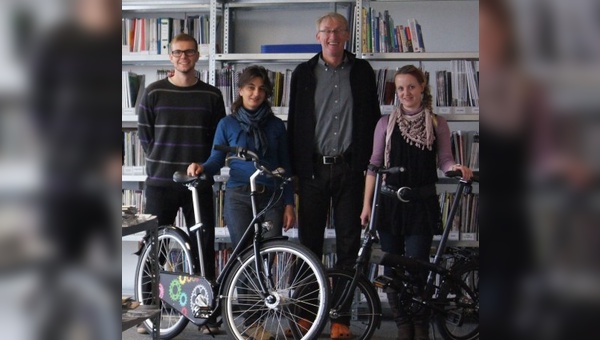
(368, 255)
(240, 248)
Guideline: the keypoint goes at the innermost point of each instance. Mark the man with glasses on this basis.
(333, 112)
(177, 119)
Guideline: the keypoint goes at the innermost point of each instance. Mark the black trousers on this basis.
(165, 202)
(338, 185)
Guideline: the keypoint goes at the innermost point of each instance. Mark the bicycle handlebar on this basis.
(247, 155)
(391, 171)
(239, 152)
(458, 173)
(183, 177)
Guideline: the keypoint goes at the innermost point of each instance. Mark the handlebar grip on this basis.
(395, 170)
(183, 177)
(453, 173)
(227, 148)
(392, 171)
(458, 173)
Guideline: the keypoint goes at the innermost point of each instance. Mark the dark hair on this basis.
(420, 76)
(246, 77)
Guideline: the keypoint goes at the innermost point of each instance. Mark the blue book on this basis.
(291, 48)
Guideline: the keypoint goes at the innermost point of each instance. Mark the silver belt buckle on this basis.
(401, 192)
(328, 160)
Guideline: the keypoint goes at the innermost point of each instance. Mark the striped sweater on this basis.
(176, 127)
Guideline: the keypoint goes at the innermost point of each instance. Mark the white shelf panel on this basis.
(410, 56)
(164, 5)
(152, 59)
(133, 178)
(252, 57)
(129, 118)
(255, 3)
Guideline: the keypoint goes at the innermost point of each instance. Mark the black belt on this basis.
(407, 194)
(331, 160)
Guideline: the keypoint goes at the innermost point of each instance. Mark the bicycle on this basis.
(261, 282)
(452, 295)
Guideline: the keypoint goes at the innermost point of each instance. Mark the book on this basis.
(291, 48)
(409, 43)
(412, 25)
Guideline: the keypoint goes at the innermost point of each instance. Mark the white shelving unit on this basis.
(450, 32)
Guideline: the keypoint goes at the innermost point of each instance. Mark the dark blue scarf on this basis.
(253, 123)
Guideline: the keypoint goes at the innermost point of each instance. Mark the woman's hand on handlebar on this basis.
(289, 217)
(195, 169)
(467, 173)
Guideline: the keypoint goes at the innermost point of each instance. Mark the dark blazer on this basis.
(301, 117)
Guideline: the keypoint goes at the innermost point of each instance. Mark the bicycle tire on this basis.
(365, 311)
(460, 319)
(173, 255)
(291, 267)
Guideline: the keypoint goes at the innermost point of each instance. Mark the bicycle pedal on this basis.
(382, 281)
(454, 318)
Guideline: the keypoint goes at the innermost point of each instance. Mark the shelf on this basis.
(417, 56)
(152, 59)
(255, 3)
(164, 5)
(133, 178)
(136, 316)
(128, 118)
(253, 57)
(418, 0)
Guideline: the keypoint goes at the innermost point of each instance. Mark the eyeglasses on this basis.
(336, 31)
(188, 53)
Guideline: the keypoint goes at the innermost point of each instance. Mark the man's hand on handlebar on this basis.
(195, 169)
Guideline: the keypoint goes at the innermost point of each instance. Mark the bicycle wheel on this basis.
(174, 256)
(364, 313)
(460, 319)
(297, 287)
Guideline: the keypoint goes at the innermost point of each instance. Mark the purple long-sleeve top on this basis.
(442, 135)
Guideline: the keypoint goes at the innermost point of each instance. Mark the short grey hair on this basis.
(335, 17)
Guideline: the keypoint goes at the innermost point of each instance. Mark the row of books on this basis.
(464, 145)
(134, 198)
(465, 226)
(465, 148)
(134, 155)
(153, 35)
(380, 35)
(458, 87)
(132, 88)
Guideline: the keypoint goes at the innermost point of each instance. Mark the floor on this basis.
(386, 331)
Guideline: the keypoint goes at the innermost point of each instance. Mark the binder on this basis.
(164, 36)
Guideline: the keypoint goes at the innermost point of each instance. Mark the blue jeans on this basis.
(238, 213)
(415, 246)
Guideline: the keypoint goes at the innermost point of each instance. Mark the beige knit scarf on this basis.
(416, 130)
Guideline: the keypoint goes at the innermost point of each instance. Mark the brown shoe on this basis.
(340, 331)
